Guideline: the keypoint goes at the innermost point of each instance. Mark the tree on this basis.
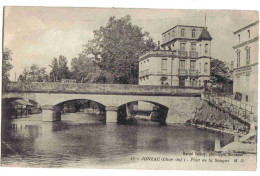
(34, 73)
(219, 72)
(6, 67)
(63, 71)
(24, 77)
(60, 70)
(83, 69)
(116, 49)
(55, 70)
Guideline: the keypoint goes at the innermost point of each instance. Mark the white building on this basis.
(246, 63)
(183, 61)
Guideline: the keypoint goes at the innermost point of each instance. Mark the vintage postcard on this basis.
(130, 88)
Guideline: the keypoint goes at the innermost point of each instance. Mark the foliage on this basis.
(63, 68)
(219, 72)
(116, 49)
(7, 66)
(84, 69)
(60, 70)
(34, 73)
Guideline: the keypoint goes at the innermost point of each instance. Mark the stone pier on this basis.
(111, 114)
(51, 113)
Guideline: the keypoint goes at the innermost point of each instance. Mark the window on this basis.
(238, 37)
(246, 98)
(173, 33)
(248, 56)
(206, 67)
(200, 67)
(182, 46)
(192, 65)
(206, 48)
(248, 33)
(238, 59)
(199, 83)
(182, 32)
(193, 33)
(164, 64)
(200, 48)
(182, 64)
(193, 47)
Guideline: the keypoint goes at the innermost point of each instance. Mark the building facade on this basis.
(182, 60)
(245, 74)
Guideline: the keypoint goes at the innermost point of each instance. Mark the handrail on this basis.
(239, 108)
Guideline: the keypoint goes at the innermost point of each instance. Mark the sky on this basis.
(36, 35)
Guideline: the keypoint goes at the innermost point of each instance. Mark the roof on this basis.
(181, 26)
(21, 102)
(205, 35)
(252, 24)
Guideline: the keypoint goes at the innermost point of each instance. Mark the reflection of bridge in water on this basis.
(175, 104)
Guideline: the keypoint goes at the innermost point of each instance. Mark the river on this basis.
(81, 140)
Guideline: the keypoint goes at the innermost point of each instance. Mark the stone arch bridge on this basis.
(180, 102)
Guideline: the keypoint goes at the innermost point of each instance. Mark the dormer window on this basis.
(173, 33)
(238, 37)
(193, 33)
(248, 33)
(182, 32)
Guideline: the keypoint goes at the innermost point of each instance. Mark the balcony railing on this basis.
(182, 53)
(193, 73)
(193, 54)
(183, 72)
(156, 53)
(144, 73)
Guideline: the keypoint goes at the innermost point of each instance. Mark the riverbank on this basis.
(216, 130)
(208, 117)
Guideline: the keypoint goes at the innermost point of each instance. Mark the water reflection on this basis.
(72, 141)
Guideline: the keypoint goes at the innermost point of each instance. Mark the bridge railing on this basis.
(101, 88)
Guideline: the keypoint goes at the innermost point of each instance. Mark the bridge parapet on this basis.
(126, 89)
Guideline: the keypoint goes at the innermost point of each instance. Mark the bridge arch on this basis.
(71, 105)
(152, 110)
(68, 100)
(77, 104)
(153, 100)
